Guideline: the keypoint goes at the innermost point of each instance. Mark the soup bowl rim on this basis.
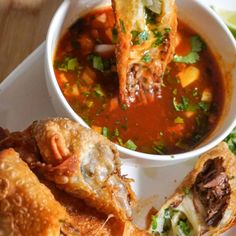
(125, 152)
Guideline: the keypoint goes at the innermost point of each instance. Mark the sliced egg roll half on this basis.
(145, 45)
(84, 164)
(27, 207)
(205, 203)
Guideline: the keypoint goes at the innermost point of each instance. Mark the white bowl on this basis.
(199, 17)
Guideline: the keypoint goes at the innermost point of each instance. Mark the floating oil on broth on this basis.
(187, 111)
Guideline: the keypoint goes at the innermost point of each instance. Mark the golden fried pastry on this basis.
(84, 164)
(205, 203)
(88, 220)
(146, 44)
(27, 207)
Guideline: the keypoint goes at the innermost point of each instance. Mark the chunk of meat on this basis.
(213, 190)
(205, 201)
(146, 44)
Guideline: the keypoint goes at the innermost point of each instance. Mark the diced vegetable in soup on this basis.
(191, 95)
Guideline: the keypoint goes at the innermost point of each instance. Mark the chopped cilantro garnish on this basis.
(174, 91)
(68, 64)
(100, 63)
(114, 35)
(139, 37)
(184, 227)
(154, 224)
(179, 120)
(192, 57)
(231, 141)
(98, 91)
(120, 141)
(72, 64)
(159, 38)
(134, 33)
(116, 132)
(97, 62)
(204, 106)
(183, 106)
(167, 30)
(122, 26)
(146, 57)
(130, 145)
(105, 131)
(159, 147)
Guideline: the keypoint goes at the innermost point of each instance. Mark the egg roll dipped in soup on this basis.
(205, 202)
(145, 46)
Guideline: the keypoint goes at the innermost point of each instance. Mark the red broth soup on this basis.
(183, 116)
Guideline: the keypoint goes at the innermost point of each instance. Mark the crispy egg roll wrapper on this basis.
(84, 164)
(138, 79)
(206, 199)
(27, 207)
(88, 220)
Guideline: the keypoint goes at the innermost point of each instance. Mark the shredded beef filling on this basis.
(213, 190)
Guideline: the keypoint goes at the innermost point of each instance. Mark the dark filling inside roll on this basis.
(213, 190)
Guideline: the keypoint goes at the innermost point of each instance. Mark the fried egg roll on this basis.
(84, 164)
(145, 45)
(88, 220)
(27, 207)
(205, 203)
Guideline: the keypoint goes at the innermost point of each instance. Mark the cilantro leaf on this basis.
(130, 145)
(99, 63)
(183, 105)
(105, 131)
(139, 37)
(184, 227)
(68, 64)
(192, 57)
(197, 44)
(159, 38)
(146, 57)
(231, 141)
(99, 91)
(204, 106)
(154, 224)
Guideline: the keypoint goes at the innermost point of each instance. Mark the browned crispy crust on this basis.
(27, 207)
(88, 220)
(74, 158)
(229, 164)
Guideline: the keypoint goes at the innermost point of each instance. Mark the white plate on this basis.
(24, 98)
